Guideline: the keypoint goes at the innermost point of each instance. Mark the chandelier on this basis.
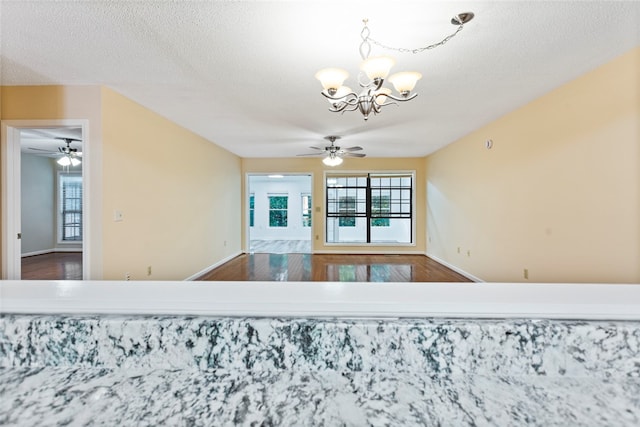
(373, 95)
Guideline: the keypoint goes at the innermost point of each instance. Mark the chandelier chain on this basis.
(417, 50)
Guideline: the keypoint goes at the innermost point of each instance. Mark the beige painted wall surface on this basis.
(179, 195)
(559, 192)
(66, 102)
(317, 168)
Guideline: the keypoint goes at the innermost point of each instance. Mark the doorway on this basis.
(44, 221)
(279, 213)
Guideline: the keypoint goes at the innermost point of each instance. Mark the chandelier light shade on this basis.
(332, 79)
(405, 81)
(377, 67)
(373, 95)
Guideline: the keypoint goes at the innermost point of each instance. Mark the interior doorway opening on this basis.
(279, 213)
(45, 219)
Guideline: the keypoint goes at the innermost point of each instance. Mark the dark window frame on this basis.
(378, 185)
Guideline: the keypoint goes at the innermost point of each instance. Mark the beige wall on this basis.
(61, 103)
(559, 192)
(179, 195)
(317, 168)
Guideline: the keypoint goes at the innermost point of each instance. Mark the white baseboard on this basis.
(34, 253)
(211, 267)
(368, 252)
(456, 269)
(59, 249)
(49, 251)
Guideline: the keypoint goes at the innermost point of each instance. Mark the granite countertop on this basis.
(199, 370)
(106, 396)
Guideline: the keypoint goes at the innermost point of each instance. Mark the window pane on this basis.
(278, 211)
(251, 209)
(356, 233)
(277, 218)
(70, 203)
(306, 210)
(398, 230)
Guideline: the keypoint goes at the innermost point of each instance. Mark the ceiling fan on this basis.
(333, 154)
(69, 155)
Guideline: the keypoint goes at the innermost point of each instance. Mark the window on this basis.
(370, 208)
(306, 210)
(278, 211)
(252, 208)
(70, 202)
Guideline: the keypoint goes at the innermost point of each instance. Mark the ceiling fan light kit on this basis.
(70, 155)
(333, 154)
(373, 95)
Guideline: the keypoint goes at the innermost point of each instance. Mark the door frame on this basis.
(247, 193)
(11, 199)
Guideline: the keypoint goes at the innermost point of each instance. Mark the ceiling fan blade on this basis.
(312, 154)
(356, 148)
(353, 155)
(317, 148)
(41, 149)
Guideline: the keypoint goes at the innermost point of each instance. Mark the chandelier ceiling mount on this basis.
(373, 95)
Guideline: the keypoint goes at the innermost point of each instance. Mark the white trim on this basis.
(11, 246)
(40, 252)
(10, 153)
(368, 252)
(456, 269)
(325, 299)
(211, 267)
(50, 251)
(247, 193)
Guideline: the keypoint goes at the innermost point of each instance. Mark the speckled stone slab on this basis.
(293, 397)
(435, 346)
(192, 371)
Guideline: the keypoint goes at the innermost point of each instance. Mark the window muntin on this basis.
(278, 211)
(371, 208)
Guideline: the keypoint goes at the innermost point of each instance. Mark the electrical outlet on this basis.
(458, 249)
(127, 276)
(149, 271)
(225, 243)
(469, 253)
(526, 273)
(317, 237)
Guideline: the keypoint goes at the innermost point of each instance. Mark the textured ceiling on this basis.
(241, 74)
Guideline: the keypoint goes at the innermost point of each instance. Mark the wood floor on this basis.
(53, 266)
(333, 268)
(277, 267)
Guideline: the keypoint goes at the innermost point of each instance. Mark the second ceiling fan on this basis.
(333, 154)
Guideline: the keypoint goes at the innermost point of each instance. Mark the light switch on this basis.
(118, 216)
